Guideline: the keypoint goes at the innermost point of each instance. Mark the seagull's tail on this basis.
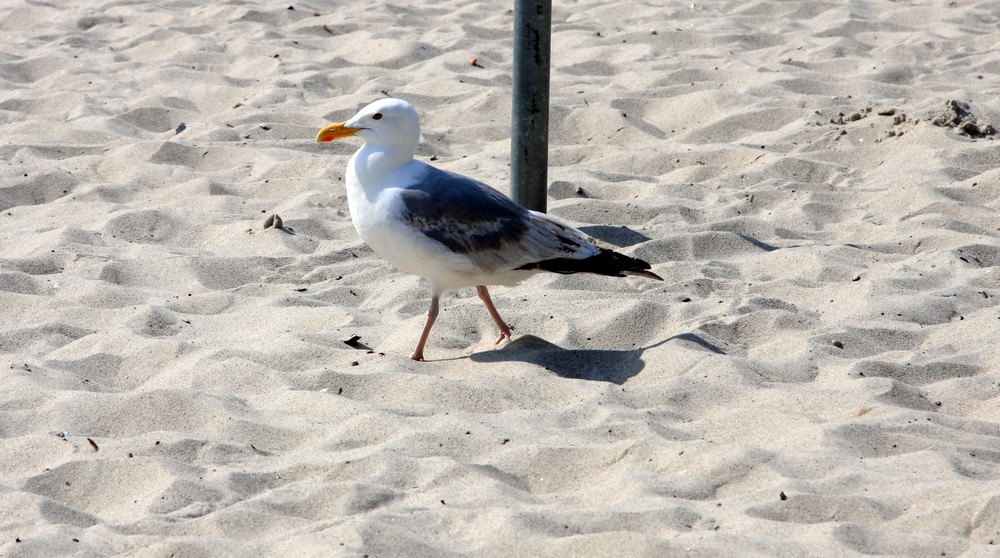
(606, 262)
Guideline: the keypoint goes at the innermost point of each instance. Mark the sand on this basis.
(818, 375)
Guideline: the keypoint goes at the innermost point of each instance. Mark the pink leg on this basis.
(432, 315)
(504, 327)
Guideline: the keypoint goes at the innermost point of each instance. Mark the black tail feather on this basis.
(607, 262)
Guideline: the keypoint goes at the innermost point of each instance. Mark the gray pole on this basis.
(529, 144)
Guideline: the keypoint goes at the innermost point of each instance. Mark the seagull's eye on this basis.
(377, 116)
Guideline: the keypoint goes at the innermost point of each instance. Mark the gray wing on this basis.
(476, 221)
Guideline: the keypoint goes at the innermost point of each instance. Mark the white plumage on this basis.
(451, 230)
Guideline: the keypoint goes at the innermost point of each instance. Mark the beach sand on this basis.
(817, 375)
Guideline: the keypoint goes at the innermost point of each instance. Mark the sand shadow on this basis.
(622, 237)
(758, 243)
(595, 365)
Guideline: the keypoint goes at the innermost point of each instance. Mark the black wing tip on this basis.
(637, 267)
(643, 273)
(606, 262)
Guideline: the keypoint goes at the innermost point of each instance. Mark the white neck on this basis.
(374, 161)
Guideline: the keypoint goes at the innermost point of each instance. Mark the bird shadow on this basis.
(596, 365)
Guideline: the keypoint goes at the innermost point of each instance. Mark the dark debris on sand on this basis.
(958, 115)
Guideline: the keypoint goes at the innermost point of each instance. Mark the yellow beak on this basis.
(335, 131)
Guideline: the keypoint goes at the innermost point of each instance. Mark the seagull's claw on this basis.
(505, 333)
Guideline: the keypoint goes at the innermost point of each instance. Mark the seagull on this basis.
(453, 231)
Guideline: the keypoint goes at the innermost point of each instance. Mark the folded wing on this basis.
(493, 232)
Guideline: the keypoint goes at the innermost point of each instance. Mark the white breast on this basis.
(376, 214)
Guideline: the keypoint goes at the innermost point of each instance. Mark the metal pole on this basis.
(529, 145)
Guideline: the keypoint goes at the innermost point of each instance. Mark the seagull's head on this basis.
(386, 122)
